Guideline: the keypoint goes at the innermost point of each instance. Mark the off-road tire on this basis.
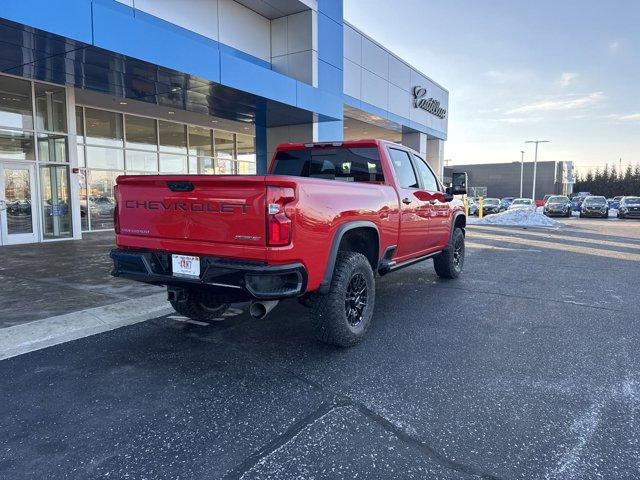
(329, 310)
(202, 306)
(450, 262)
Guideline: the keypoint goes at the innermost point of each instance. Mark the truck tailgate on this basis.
(203, 209)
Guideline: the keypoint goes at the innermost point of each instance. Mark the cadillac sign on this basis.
(430, 105)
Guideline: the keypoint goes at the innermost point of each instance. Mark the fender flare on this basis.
(453, 226)
(335, 245)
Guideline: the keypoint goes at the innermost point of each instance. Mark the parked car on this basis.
(557, 205)
(594, 206)
(614, 202)
(318, 227)
(505, 202)
(522, 204)
(540, 203)
(629, 207)
(490, 205)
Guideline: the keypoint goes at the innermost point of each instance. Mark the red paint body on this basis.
(226, 216)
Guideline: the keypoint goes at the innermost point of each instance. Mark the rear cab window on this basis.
(356, 164)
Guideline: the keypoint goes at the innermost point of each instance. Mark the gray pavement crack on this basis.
(337, 400)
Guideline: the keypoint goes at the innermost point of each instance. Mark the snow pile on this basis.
(517, 218)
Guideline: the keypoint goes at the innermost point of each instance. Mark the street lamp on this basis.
(521, 170)
(535, 165)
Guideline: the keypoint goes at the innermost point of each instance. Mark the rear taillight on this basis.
(278, 224)
(116, 216)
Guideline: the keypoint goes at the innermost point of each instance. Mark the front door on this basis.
(18, 222)
(415, 212)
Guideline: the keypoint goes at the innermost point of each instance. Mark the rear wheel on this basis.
(449, 263)
(202, 306)
(343, 315)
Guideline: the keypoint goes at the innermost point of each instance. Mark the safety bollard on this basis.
(466, 206)
(480, 205)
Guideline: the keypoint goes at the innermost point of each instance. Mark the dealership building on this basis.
(93, 89)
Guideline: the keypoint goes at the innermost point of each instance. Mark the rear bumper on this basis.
(245, 278)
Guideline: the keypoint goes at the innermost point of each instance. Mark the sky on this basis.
(567, 71)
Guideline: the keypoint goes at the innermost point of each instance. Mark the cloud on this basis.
(614, 46)
(568, 102)
(567, 79)
(631, 117)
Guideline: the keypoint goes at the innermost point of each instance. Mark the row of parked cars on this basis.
(562, 206)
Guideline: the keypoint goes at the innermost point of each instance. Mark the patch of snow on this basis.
(517, 218)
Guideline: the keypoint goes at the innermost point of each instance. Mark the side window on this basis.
(428, 178)
(403, 168)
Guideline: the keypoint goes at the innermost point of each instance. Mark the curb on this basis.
(51, 331)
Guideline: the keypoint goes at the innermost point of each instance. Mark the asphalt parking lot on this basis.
(526, 367)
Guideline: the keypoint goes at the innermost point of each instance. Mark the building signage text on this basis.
(430, 104)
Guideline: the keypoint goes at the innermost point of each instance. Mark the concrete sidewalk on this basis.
(59, 278)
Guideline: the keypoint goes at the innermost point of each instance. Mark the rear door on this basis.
(415, 212)
(205, 208)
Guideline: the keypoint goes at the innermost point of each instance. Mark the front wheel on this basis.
(343, 315)
(449, 262)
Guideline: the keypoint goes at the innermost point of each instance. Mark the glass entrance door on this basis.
(17, 204)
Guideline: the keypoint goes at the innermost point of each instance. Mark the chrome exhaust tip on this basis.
(260, 310)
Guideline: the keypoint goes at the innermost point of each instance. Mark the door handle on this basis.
(406, 200)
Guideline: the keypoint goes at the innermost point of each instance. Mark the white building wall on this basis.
(224, 21)
(374, 75)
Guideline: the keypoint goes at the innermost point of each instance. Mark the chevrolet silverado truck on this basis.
(321, 225)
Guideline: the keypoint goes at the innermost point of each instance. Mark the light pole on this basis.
(521, 170)
(535, 165)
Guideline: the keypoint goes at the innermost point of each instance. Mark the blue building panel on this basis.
(332, 9)
(330, 78)
(68, 18)
(330, 40)
(151, 39)
(319, 101)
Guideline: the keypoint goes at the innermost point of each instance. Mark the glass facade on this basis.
(112, 143)
(34, 138)
(36, 135)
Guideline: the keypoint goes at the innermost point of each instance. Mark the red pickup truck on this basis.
(326, 219)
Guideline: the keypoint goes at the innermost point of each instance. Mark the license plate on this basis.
(185, 266)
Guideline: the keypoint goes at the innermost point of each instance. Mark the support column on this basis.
(416, 141)
(435, 156)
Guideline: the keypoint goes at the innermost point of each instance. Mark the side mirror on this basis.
(459, 183)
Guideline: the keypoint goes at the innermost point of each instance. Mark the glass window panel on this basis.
(173, 137)
(142, 161)
(206, 166)
(51, 108)
(141, 133)
(225, 167)
(16, 109)
(200, 141)
(246, 168)
(246, 145)
(103, 128)
(52, 148)
(17, 193)
(224, 143)
(84, 207)
(56, 205)
(101, 199)
(173, 163)
(193, 165)
(80, 124)
(81, 161)
(107, 158)
(16, 145)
